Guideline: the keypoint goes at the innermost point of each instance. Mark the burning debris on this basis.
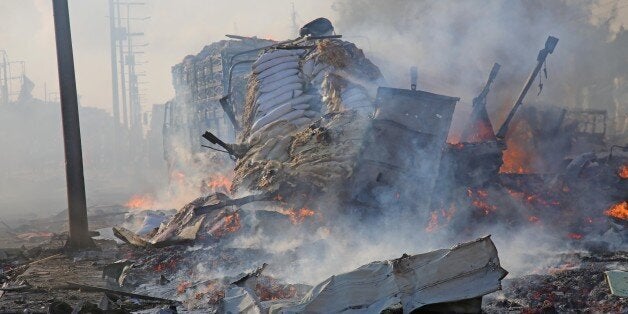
(319, 141)
(324, 155)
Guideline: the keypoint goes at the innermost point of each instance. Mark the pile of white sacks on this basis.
(290, 87)
(280, 93)
(304, 116)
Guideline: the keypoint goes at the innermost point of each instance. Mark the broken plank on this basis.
(83, 287)
(25, 267)
(129, 237)
(218, 203)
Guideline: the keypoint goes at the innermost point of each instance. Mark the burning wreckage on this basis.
(322, 152)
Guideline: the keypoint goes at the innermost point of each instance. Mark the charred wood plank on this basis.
(218, 203)
(84, 287)
(129, 237)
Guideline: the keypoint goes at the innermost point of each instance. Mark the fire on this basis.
(533, 199)
(184, 285)
(478, 199)
(482, 131)
(433, 223)
(453, 139)
(268, 288)
(298, 216)
(575, 236)
(164, 266)
(519, 155)
(213, 290)
(619, 211)
(516, 159)
(457, 145)
(219, 182)
(230, 223)
(447, 214)
(623, 171)
(140, 202)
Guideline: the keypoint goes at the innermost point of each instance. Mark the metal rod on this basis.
(77, 209)
(550, 44)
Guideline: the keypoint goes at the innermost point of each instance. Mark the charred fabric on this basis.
(311, 143)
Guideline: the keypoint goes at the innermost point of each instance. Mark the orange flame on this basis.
(298, 216)
(619, 211)
(447, 215)
(515, 160)
(454, 139)
(623, 171)
(520, 153)
(433, 223)
(532, 198)
(219, 181)
(230, 223)
(478, 199)
(140, 202)
(575, 236)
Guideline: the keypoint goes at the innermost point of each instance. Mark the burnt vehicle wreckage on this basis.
(311, 143)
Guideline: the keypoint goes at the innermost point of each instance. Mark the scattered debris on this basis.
(618, 282)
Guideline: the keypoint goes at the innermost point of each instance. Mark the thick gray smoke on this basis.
(454, 45)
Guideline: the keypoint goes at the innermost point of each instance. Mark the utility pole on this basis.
(130, 60)
(295, 27)
(131, 107)
(120, 39)
(77, 210)
(113, 33)
(5, 81)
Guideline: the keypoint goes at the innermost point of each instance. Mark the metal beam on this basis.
(77, 210)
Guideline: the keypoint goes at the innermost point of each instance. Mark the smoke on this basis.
(33, 165)
(454, 45)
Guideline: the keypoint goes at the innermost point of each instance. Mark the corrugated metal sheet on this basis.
(466, 271)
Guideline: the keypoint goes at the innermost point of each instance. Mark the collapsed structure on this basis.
(315, 135)
(319, 148)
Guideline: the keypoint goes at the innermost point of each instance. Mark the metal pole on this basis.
(132, 77)
(122, 75)
(114, 71)
(550, 44)
(77, 210)
(5, 86)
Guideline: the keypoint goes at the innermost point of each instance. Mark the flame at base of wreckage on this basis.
(333, 171)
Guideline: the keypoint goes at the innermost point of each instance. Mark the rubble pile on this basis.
(317, 131)
(576, 284)
(323, 154)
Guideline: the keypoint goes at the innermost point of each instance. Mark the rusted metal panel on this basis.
(402, 149)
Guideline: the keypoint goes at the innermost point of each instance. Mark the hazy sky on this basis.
(175, 29)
